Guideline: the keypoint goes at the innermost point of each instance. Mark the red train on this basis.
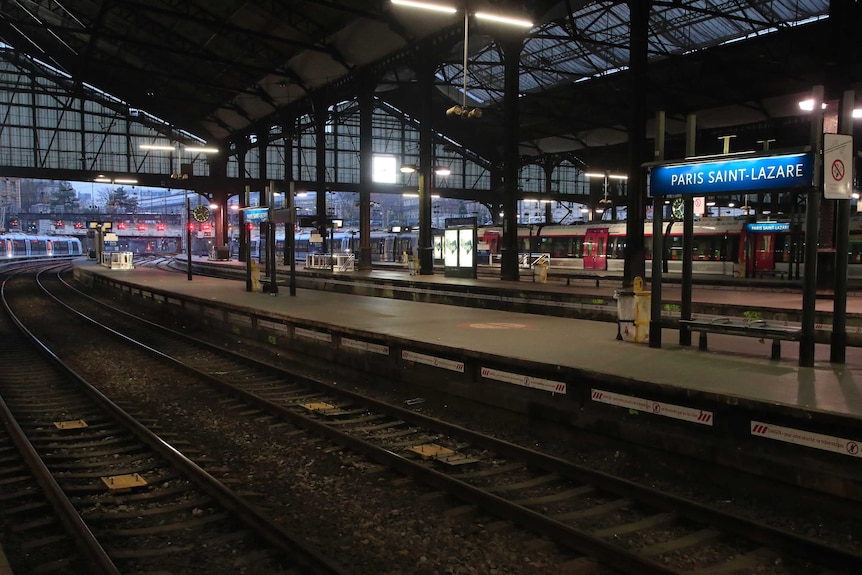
(722, 246)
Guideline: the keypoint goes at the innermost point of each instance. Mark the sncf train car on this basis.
(23, 245)
(722, 246)
(386, 246)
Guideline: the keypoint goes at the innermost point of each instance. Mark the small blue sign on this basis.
(734, 176)
(256, 214)
(768, 227)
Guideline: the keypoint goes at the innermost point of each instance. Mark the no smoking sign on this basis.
(838, 161)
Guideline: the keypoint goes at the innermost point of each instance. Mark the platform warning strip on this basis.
(690, 414)
(441, 454)
(840, 445)
(323, 408)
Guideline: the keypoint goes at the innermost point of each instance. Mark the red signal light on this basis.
(142, 227)
(121, 226)
(160, 227)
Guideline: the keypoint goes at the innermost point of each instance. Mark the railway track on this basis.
(602, 519)
(114, 497)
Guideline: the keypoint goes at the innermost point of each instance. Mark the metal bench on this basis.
(757, 328)
(582, 276)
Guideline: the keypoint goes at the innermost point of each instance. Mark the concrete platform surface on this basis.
(735, 367)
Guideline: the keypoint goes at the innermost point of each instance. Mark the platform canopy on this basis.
(225, 70)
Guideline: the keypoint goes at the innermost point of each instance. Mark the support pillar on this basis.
(511, 158)
(655, 323)
(425, 72)
(366, 160)
(635, 253)
(812, 221)
(321, 114)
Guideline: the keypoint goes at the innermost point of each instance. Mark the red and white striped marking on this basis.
(524, 380)
(433, 361)
(831, 443)
(655, 407)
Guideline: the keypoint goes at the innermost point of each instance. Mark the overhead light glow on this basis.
(611, 176)
(426, 6)
(160, 147)
(409, 195)
(102, 180)
(808, 105)
(202, 150)
(442, 171)
(125, 181)
(503, 19)
(408, 168)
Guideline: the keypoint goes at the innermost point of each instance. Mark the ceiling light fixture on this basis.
(504, 20)
(442, 170)
(426, 6)
(462, 110)
(202, 150)
(409, 168)
(159, 147)
(808, 105)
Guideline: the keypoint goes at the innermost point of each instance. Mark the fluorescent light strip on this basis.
(425, 6)
(503, 19)
(202, 150)
(161, 147)
(124, 181)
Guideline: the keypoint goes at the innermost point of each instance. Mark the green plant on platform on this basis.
(750, 314)
(672, 307)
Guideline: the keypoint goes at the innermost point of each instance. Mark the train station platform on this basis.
(731, 404)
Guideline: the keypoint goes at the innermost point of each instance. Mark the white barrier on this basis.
(118, 260)
(337, 262)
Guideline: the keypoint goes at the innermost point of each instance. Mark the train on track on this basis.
(724, 246)
(31, 246)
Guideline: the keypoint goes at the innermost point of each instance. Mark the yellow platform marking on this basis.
(441, 454)
(123, 482)
(323, 407)
(74, 424)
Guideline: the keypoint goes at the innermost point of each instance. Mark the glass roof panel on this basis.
(593, 41)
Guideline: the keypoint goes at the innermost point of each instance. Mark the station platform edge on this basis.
(571, 369)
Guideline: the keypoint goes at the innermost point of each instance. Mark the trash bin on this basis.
(643, 310)
(256, 286)
(625, 314)
(541, 271)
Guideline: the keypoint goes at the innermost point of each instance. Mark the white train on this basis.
(25, 245)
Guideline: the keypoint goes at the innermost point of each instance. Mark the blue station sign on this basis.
(768, 227)
(256, 214)
(733, 176)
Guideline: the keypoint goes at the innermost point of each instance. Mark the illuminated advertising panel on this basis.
(465, 247)
(450, 248)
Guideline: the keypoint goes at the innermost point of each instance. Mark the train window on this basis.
(577, 248)
(854, 249)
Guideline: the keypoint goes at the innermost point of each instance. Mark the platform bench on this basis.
(758, 328)
(583, 276)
